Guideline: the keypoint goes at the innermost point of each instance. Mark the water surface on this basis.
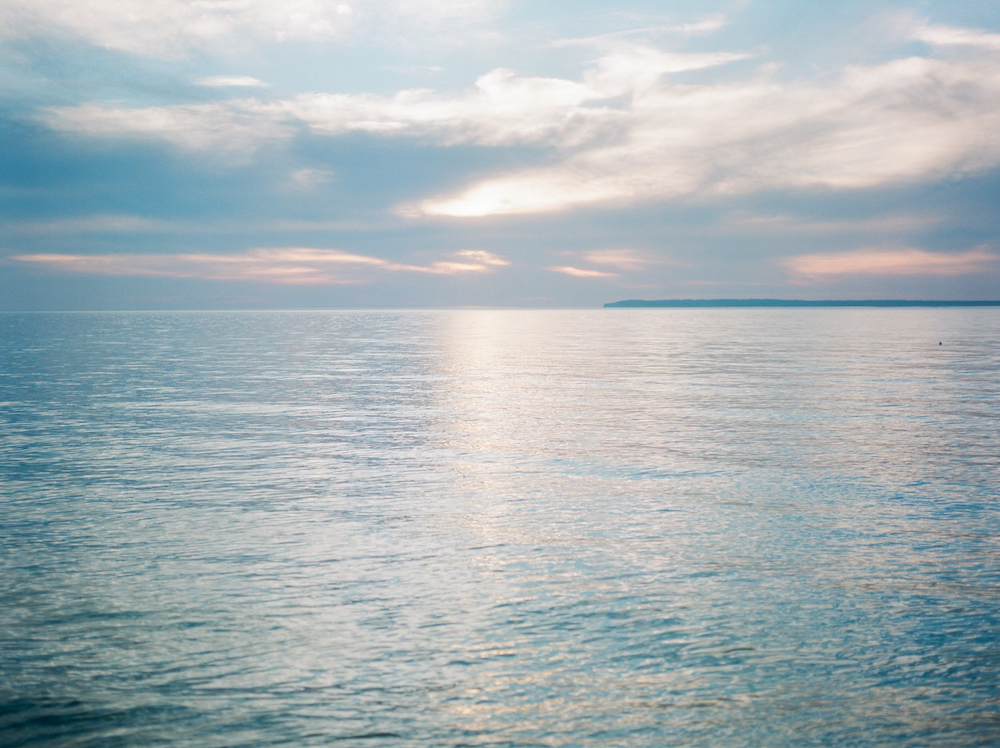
(649, 527)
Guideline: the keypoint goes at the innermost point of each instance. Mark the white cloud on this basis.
(232, 129)
(224, 81)
(707, 25)
(532, 191)
(626, 132)
(308, 178)
(285, 265)
(882, 261)
(170, 28)
(634, 69)
(503, 108)
(480, 257)
(949, 35)
(904, 121)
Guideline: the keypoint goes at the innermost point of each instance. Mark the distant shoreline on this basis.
(701, 303)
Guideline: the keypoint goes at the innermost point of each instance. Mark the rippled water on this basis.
(731, 527)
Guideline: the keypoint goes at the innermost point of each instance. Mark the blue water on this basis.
(724, 527)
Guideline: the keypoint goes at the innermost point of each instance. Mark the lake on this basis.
(622, 527)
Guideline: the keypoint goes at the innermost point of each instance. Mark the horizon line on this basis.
(695, 303)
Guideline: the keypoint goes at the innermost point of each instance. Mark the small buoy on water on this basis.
(939, 342)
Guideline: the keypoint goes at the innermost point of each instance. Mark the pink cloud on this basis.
(285, 265)
(903, 261)
(579, 273)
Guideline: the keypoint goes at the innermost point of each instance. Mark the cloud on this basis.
(223, 81)
(539, 191)
(905, 261)
(786, 224)
(233, 129)
(907, 120)
(706, 25)
(503, 108)
(126, 224)
(620, 259)
(308, 178)
(172, 28)
(949, 35)
(624, 259)
(285, 266)
(580, 273)
(627, 132)
(169, 28)
(100, 224)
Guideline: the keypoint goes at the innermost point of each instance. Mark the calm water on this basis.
(724, 527)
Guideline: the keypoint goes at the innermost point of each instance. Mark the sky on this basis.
(261, 154)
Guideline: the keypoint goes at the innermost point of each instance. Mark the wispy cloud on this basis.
(285, 265)
(951, 36)
(581, 272)
(626, 259)
(904, 261)
(790, 224)
(307, 178)
(226, 81)
(708, 24)
(233, 129)
(100, 224)
(131, 224)
(705, 25)
(503, 108)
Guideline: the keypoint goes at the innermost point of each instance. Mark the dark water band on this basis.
(688, 303)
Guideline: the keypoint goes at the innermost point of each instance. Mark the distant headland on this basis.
(699, 303)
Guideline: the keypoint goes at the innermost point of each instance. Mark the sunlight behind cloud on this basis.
(531, 192)
(889, 124)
